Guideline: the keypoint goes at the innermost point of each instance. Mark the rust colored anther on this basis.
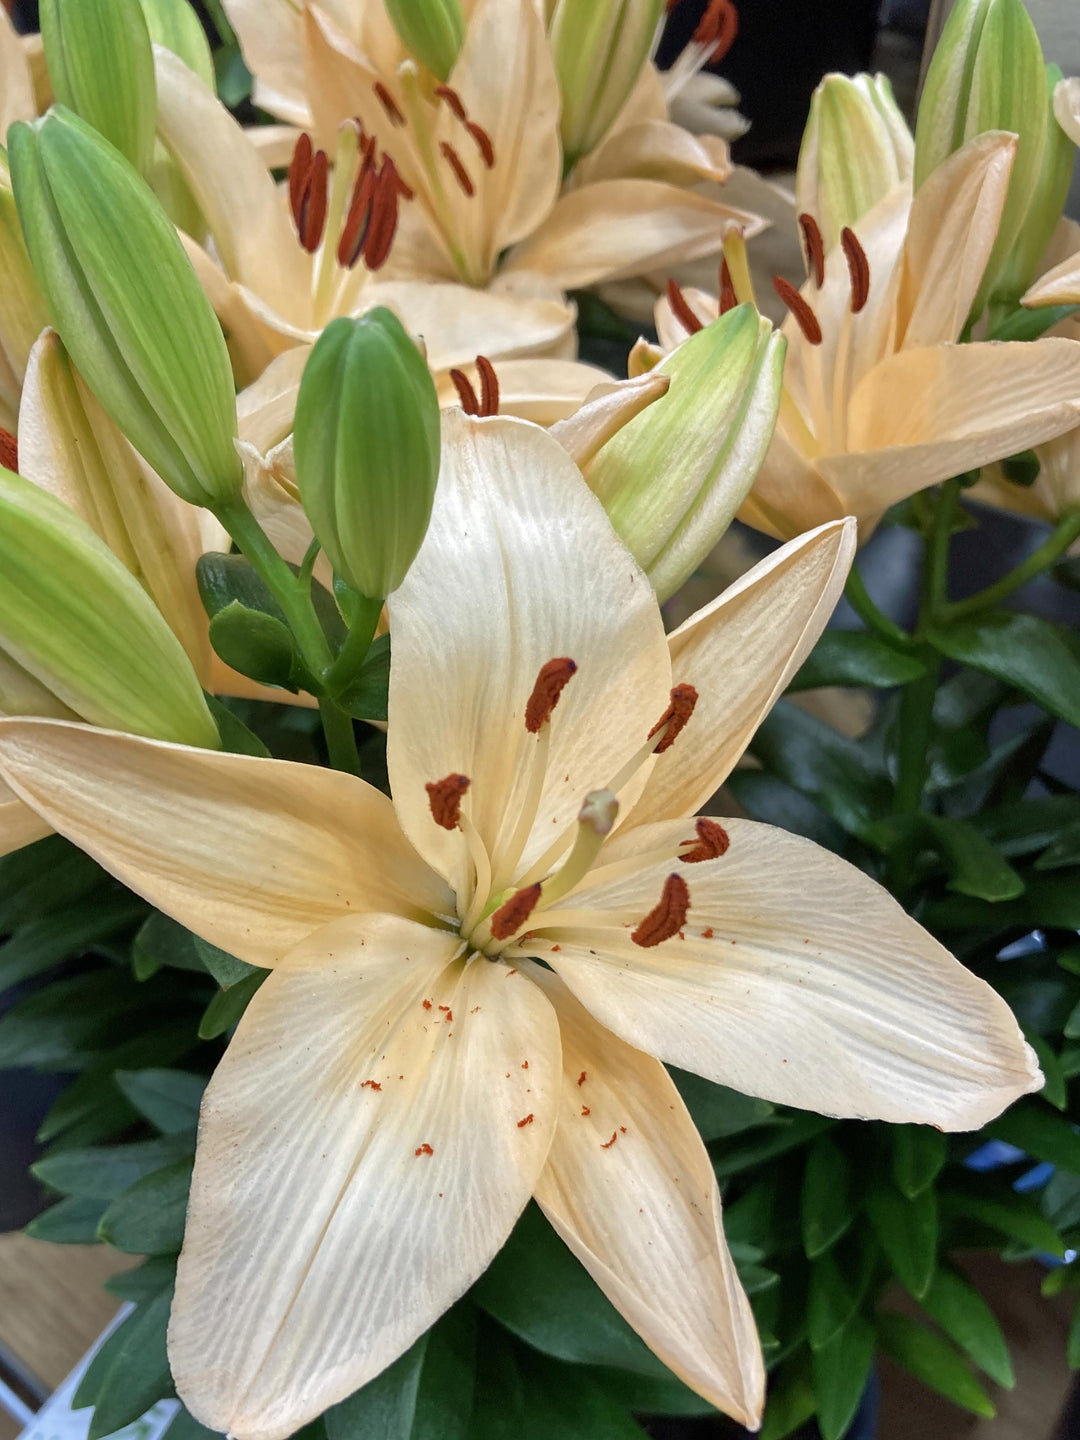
(354, 233)
(718, 28)
(386, 100)
(489, 386)
(466, 394)
(859, 268)
(483, 143)
(9, 450)
(384, 217)
(445, 797)
(510, 918)
(552, 680)
(453, 99)
(674, 718)
(680, 308)
(453, 159)
(668, 918)
(815, 248)
(728, 298)
(805, 318)
(309, 192)
(712, 842)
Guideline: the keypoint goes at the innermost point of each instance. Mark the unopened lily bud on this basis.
(75, 620)
(599, 48)
(22, 309)
(174, 25)
(431, 30)
(855, 149)
(672, 478)
(102, 67)
(127, 303)
(366, 447)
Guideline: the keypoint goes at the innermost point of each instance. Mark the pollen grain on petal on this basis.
(712, 842)
(424, 1149)
(859, 268)
(681, 309)
(528, 1120)
(453, 159)
(445, 797)
(386, 100)
(667, 918)
(9, 450)
(466, 394)
(552, 680)
(815, 248)
(675, 717)
(489, 386)
(807, 321)
(510, 917)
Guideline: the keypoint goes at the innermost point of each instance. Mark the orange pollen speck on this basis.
(424, 1150)
(582, 1078)
(585, 1110)
(728, 298)
(370, 1085)
(712, 842)
(551, 681)
(669, 916)
(680, 307)
(804, 316)
(386, 100)
(489, 386)
(510, 918)
(815, 248)
(674, 718)
(527, 1121)
(453, 159)
(466, 394)
(426, 1004)
(858, 267)
(444, 797)
(608, 1143)
(718, 28)
(9, 450)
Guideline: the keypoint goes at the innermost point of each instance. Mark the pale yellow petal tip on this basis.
(1061, 286)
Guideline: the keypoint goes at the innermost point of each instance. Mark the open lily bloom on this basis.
(409, 1074)
(879, 401)
(482, 153)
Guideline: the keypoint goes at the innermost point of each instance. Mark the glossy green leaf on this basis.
(1040, 1132)
(974, 866)
(791, 1402)
(148, 1218)
(1013, 1215)
(366, 696)
(828, 1203)
(144, 1281)
(1022, 650)
(918, 1153)
(841, 1370)
(226, 969)
(226, 1008)
(163, 943)
(73, 1221)
(968, 1321)
(1072, 1345)
(1055, 1090)
(832, 1301)
(854, 657)
(130, 1372)
(773, 801)
(907, 1231)
(1064, 850)
(648, 1395)
(69, 932)
(933, 1361)
(717, 1111)
(103, 1172)
(169, 1099)
(255, 645)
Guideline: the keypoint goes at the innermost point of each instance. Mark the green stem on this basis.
(363, 623)
(858, 597)
(340, 737)
(1052, 549)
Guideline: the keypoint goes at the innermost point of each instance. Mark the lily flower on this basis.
(408, 1075)
(879, 401)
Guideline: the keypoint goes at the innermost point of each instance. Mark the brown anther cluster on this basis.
(718, 28)
(309, 192)
(680, 308)
(807, 321)
(9, 450)
(712, 842)
(668, 918)
(445, 797)
(674, 718)
(479, 136)
(815, 248)
(371, 223)
(552, 680)
(510, 918)
(487, 402)
(728, 298)
(858, 267)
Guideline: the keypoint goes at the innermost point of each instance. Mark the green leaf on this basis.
(1014, 1215)
(1050, 900)
(1055, 1090)
(841, 1370)
(366, 697)
(130, 1372)
(933, 1361)
(648, 1395)
(1072, 1347)
(225, 968)
(918, 1153)
(908, 1231)
(1065, 850)
(766, 798)
(788, 1133)
(256, 645)
(1028, 653)
(169, 1099)
(1021, 324)
(38, 879)
(73, 1221)
(144, 1281)
(718, 1111)
(1030, 825)
(227, 579)
(70, 931)
(967, 1319)
(974, 866)
(163, 943)
(184, 1426)
(831, 1301)
(1038, 1131)
(226, 1008)
(853, 657)
(236, 738)
(103, 1172)
(828, 1206)
(148, 1218)
(61, 1026)
(790, 1404)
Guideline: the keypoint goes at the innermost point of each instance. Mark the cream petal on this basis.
(670, 330)
(799, 979)
(542, 390)
(266, 409)
(361, 1160)
(739, 653)
(1067, 107)
(1059, 286)
(604, 412)
(619, 228)
(16, 83)
(630, 1188)
(274, 144)
(656, 150)
(252, 344)
(253, 855)
(520, 566)
(271, 35)
(19, 825)
(789, 496)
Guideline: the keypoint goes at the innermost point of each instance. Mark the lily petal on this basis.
(799, 980)
(630, 1188)
(19, 825)
(1059, 286)
(271, 35)
(253, 855)
(542, 390)
(656, 150)
(1067, 107)
(604, 412)
(361, 1160)
(739, 653)
(16, 82)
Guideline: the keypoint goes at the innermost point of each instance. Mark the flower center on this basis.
(814, 246)
(487, 402)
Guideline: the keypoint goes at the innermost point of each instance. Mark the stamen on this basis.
(712, 842)
(9, 450)
(718, 28)
(358, 223)
(386, 100)
(466, 394)
(815, 248)
(445, 797)
(510, 918)
(596, 820)
(452, 158)
(681, 308)
(483, 142)
(859, 268)
(309, 194)
(453, 99)
(728, 298)
(674, 718)
(299, 169)
(668, 917)
(384, 217)
(805, 318)
(738, 261)
(552, 680)
(489, 386)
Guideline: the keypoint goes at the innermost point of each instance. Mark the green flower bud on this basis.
(22, 309)
(102, 67)
(75, 621)
(366, 447)
(855, 149)
(127, 303)
(672, 479)
(599, 48)
(174, 25)
(432, 30)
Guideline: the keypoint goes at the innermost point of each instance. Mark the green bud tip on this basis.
(599, 48)
(432, 30)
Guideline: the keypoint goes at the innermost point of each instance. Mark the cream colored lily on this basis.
(18, 94)
(274, 288)
(879, 401)
(407, 1076)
